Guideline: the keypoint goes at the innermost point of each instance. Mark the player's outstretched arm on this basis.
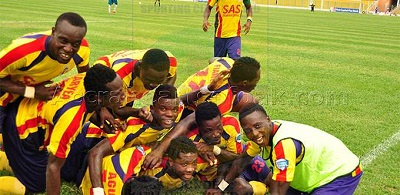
(153, 159)
(192, 97)
(237, 167)
(142, 113)
(96, 155)
(83, 68)
(40, 91)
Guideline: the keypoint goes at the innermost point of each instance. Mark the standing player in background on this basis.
(141, 71)
(110, 2)
(227, 26)
(33, 60)
(159, 5)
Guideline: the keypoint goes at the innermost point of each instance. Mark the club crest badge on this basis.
(239, 138)
(282, 164)
(141, 150)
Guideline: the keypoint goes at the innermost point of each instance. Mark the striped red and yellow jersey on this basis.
(289, 149)
(137, 132)
(117, 169)
(124, 62)
(222, 96)
(26, 60)
(230, 141)
(57, 121)
(227, 17)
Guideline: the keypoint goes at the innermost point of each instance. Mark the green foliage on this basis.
(335, 71)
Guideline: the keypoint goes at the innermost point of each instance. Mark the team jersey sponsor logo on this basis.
(282, 164)
(232, 9)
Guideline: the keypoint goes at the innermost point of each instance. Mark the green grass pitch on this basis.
(335, 71)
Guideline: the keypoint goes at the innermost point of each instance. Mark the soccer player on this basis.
(165, 109)
(110, 2)
(141, 71)
(216, 135)
(117, 169)
(304, 159)
(33, 60)
(159, 4)
(233, 78)
(39, 133)
(227, 26)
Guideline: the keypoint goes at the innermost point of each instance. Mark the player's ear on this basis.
(52, 30)
(92, 98)
(171, 161)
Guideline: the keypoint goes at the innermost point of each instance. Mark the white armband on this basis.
(29, 92)
(223, 185)
(204, 90)
(216, 150)
(98, 191)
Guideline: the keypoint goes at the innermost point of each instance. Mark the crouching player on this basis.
(173, 173)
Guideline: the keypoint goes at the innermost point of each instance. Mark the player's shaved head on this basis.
(98, 77)
(250, 109)
(244, 68)
(165, 91)
(155, 59)
(72, 18)
(142, 185)
(206, 111)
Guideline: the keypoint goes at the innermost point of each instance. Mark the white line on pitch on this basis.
(380, 149)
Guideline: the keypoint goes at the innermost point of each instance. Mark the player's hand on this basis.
(246, 27)
(206, 25)
(108, 123)
(46, 93)
(203, 147)
(218, 80)
(153, 159)
(213, 191)
(145, 114)
(206, 153)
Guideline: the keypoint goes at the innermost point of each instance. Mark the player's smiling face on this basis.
(165, 111)
(66, 41)
(257, 128)
(185, 165)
